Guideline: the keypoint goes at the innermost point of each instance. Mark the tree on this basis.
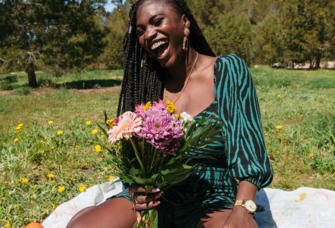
(232, 34)
(306, 24)
(269, 44)
(50, 33)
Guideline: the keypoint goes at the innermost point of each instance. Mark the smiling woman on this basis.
(167, 57)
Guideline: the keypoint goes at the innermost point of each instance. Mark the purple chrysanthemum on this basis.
(161, 130)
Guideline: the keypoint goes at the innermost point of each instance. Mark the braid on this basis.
(143, 84)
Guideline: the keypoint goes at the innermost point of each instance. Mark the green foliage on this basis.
(22, 91)
(231, 34)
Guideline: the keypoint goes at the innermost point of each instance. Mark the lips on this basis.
(160, 48)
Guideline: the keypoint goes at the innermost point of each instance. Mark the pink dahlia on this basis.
(128, 124)
(160, 105)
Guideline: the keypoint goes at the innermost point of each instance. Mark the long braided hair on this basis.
(146, 83)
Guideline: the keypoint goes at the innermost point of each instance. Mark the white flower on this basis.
(186, 117)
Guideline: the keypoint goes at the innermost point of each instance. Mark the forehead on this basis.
(151, 8)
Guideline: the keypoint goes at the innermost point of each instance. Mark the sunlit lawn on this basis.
(301, 151)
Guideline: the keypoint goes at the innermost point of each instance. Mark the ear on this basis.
(186, 21)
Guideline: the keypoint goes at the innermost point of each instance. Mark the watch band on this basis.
(238, 203)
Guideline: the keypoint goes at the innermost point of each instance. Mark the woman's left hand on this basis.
(239, 218)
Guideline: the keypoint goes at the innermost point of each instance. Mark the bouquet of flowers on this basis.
(152, 146)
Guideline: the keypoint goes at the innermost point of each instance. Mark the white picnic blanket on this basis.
(301, 208)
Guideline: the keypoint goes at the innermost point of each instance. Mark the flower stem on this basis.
(137, 156)
(153, 158)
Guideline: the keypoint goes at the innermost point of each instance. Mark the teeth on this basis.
(159, 43)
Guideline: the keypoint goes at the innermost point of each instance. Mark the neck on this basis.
(179, 73)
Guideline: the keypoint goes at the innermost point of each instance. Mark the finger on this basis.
(148, 198)
(146, 206)
(138, 216)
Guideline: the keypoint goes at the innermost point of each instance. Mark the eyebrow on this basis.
(150, 20)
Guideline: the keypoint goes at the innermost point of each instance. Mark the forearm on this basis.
(246, 190)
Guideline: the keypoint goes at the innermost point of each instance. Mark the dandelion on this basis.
(24, 180)
(278, 95)
(81, 188)
(61, 188)
(41, 141)
(53, 206)
(312, 155)
(102, 134)
(301, 115)
(28, 135)
(7, 224)
(88, 122)
(52, 148)
(51, 176)
(20, 125)
(111, 178)
(76, 146)
(95, 131)
(279, 127)
(15, 140)
(18, 128)
(35, 130)
(59, 132)
(102, 156)
(50, 122)
(26, 126)
(97, 148)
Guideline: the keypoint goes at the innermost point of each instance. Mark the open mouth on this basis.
(161, 49)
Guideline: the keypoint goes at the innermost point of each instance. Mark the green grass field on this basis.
(298, 115)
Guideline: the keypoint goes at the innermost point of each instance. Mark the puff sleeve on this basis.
(239, 109)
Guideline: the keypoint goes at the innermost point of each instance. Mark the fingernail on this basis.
(155, 189)
(158, 195)
(155, 203)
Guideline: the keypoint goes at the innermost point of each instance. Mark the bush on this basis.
(5, 85)
(22, 91)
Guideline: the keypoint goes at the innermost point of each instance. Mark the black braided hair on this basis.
(143, 84)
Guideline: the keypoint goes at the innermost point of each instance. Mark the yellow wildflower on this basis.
(53, 206)
(28, 135)
(301, 115)
(102, 134)
(97, 148)
(50, 122)
(95, 131)
(81, 188)
(15, 140)
(35, 130)
(59, 132)
(88, 122)
(147, 105)
(51, 176)
(111, 178)
(24, 180)
(178, 116)
(312, 155)
(76, 146)
(18, 128)
(20, 125)
(52, 148)
(102, 156)
(61, 189)
(7, 224)
(170, 107)
(26, 126)
(41, 141)
(279, 127)
(110, 122)
(278, 95)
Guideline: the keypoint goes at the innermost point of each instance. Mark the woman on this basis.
(166, 56)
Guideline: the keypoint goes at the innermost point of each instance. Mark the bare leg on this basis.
(114, 213)
(214, 220)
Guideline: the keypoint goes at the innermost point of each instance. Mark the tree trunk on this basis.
(318, 59)
(31, 75)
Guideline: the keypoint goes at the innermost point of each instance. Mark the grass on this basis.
(301, 151)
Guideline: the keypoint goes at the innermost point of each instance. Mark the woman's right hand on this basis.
(145, 199)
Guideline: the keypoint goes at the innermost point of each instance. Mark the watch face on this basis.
(250, 205)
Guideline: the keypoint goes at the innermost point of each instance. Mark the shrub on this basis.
(22, 91)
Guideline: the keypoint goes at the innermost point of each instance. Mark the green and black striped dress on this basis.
(242, 155)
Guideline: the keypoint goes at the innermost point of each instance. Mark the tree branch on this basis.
(4, 62)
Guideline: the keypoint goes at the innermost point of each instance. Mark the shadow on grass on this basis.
(89, 84)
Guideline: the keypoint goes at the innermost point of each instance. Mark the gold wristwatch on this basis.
(248, 205)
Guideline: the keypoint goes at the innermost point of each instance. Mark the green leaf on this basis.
(164, 172)
(102, 129)
(153, 216)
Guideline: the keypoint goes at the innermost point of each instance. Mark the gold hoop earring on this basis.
(185, 43)
(147, 61)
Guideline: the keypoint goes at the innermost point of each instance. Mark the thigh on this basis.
(214, 220)
(114, 213)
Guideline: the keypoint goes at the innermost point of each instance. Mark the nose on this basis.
(150, 33)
